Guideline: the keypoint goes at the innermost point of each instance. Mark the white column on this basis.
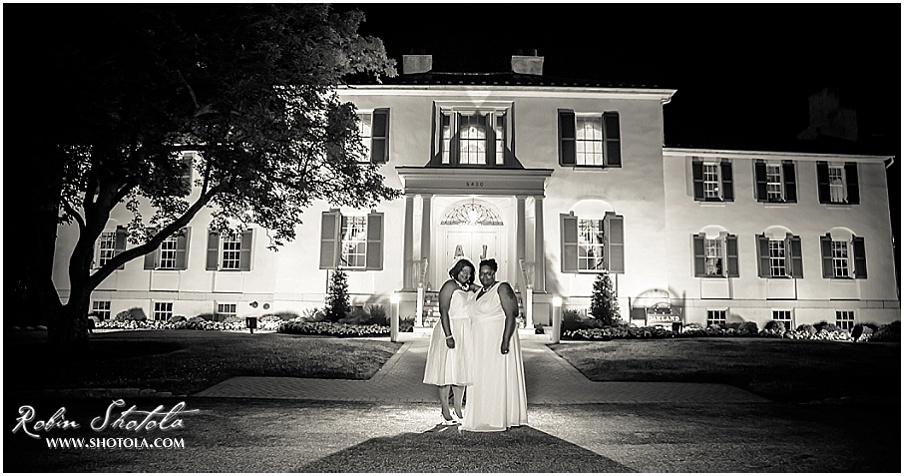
(408, 244)
(539, 283)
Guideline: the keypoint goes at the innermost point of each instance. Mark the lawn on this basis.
(778, 369)
(185, 361)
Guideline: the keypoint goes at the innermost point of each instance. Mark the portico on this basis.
(476, 213)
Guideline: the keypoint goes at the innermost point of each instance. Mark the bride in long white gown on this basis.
(497, 400)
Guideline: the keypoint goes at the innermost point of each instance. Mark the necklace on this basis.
(464, 286)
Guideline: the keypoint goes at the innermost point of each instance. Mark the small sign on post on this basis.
(251, 323)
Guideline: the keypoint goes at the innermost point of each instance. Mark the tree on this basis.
(337, 304)
(128, 88)
(604, 302)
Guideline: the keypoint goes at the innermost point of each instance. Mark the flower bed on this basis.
(886, 333)
(333, 329)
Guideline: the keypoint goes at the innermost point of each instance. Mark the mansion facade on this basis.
(558, 182)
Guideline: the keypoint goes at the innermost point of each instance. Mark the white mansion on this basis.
(557, 182)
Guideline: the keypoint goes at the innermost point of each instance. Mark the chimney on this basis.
(528, 64)
(414, 64)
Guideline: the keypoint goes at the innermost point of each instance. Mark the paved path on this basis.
(550, 380)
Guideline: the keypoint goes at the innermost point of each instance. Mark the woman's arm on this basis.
(445, 300)
(510, 308)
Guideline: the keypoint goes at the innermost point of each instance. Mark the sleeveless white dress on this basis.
(498, 398)
(447, 366)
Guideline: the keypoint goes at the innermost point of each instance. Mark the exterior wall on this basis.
(652, 191)
(751, 298)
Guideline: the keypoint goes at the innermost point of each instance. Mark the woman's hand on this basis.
(505, 348)
(450, 342)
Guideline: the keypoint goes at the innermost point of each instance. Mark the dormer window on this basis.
(469, 136)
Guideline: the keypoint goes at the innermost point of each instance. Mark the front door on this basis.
(472, 244)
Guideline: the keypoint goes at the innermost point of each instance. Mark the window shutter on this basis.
(790, 187)
(731, 252)
(182, 241)
(379, 144)
(611, 132)
(699, 256)
(859, 248)
(185, 179)
(762, 253)
(795, 256)
(614, 236)
(120, 245)
(566, 138)
(853, 186)
(697, 169)
(213, 251)
(727, 182)
(569, 229)
(822, 182)
(374, 259)
(245, 251)
(150, 259)
(825, 245)
(759, 168)
(329, 239)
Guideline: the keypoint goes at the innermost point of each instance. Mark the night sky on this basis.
(743, 73)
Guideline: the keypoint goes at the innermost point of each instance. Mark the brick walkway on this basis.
(550, 380)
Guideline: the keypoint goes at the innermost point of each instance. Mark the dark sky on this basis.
(742, 72)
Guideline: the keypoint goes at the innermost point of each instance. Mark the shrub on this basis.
(775, 326)
(356, 317)
(378, 315)
(825, 326)
(861, 333)
(604, 303)
(284, 315)
(807, 329)
(133, 314)
(887, 333)
(748, 328)
(337, 303)
(571, 320)
(313, 315)
(176, 318)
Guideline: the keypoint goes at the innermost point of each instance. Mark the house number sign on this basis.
(472, 184)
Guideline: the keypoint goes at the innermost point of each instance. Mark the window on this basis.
(229, 252)
(232, 251)
(593, 245)
(837, 183)
(354, 242)
(351, 241)
(716, 316)
(168, 253)
(779, 257)
(472, 137)
(775, 182)
(783, 316)
(163, 311)
(101, 309)
(843, 259)
(844, 320)
(110, 244)
(589, 140)
(716, 257)
(171, 254)
(373, 127)
(712, 180)
(106, 247)
(225, 311)
(590, 245)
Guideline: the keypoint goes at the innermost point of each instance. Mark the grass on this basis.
(778, 369)
(183, 361)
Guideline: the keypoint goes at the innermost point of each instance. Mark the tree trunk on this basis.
(69, 326)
